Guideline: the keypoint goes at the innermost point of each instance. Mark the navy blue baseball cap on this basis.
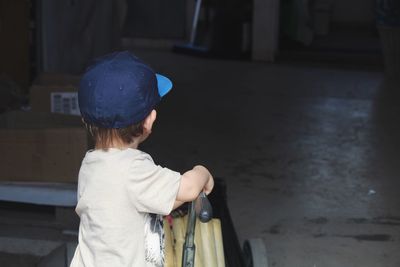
(119, 90)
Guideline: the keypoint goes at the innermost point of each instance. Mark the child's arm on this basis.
(192, 183)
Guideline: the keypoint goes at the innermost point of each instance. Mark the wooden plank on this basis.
(14, 45)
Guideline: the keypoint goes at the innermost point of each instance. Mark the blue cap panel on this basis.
(164, 84)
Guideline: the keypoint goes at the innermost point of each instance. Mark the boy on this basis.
(119, 186)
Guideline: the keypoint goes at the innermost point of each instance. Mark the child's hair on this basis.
(105, 137)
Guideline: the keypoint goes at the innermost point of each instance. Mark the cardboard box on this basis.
(55, 93)
(62, 99)
(41, 147)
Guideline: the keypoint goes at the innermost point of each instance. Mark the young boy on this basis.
(120, 186)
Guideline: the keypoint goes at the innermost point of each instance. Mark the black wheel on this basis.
(254, 253)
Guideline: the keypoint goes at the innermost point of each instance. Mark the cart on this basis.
(253, 253)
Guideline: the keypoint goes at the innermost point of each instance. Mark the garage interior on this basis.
(293, 103)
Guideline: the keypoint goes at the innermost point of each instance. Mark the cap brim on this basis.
(164, 84)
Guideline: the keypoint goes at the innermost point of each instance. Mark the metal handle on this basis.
(203, 208)
(189, 248)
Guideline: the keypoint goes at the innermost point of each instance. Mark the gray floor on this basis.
(309, 153)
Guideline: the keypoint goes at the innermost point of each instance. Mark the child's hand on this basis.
(209, 185)
(193, 182)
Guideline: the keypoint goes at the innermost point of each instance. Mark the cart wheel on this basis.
(254, 253)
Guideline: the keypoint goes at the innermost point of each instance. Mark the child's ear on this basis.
(148, 122)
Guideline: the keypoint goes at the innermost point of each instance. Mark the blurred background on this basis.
(293, 104)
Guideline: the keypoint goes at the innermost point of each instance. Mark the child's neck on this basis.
(118, 144)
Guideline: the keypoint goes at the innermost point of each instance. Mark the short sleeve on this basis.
(152, 188)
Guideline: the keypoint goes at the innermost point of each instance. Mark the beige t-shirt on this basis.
(116, 189)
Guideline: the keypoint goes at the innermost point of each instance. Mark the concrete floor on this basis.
(309, 153)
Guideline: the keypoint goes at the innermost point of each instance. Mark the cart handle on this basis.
(203, 208)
